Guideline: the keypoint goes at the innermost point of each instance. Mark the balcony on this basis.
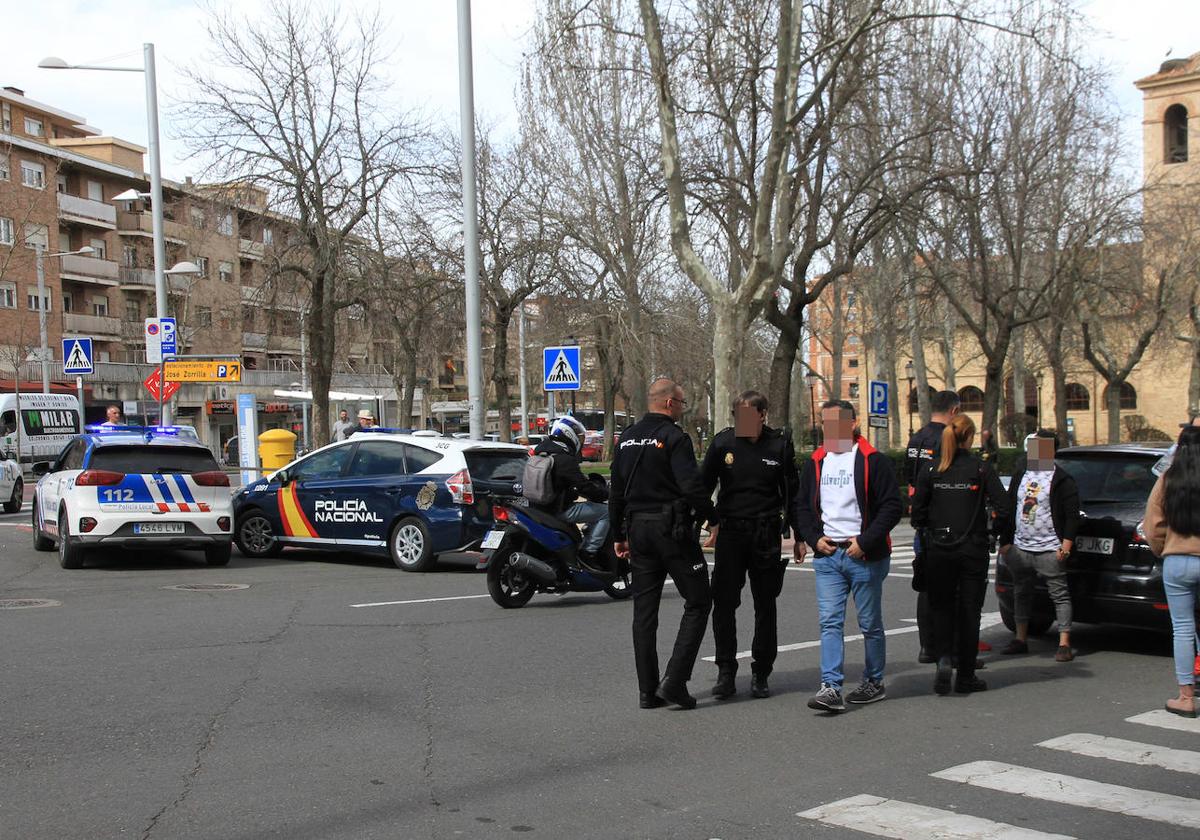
(248, 249)
(254, 341)
(88, 269)
(143, 279)
(95, 213)
(142, 224)
(91, 325)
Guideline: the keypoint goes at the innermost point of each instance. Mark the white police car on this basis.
(381, 491)
(12, 487)
(132, 487)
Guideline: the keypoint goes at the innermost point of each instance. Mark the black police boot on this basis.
(758, 686)
(650, 700)
(725, 686)
(925, 657)
(945, 670)
(676, 693)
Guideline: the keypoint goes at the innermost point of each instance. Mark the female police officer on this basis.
(949, 509)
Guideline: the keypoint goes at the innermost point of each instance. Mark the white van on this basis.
(48, 423)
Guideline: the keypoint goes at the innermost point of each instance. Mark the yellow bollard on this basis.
(276, 448)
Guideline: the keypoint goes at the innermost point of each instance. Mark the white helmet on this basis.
(569, 429)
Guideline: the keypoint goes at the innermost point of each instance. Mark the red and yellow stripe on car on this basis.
(295, 523)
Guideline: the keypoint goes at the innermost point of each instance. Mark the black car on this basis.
(1114, 576)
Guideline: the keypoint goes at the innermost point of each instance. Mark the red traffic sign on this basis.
(152, 385)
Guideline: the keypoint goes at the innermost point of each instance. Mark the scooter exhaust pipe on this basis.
(544, 572)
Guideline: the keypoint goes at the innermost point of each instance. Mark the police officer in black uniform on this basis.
(923, 448)
(755, 466)
(656, 502)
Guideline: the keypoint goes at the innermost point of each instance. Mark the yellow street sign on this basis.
(203, 371)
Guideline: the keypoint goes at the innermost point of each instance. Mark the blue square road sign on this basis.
(560, 368)
(77, 356)
(879, 397)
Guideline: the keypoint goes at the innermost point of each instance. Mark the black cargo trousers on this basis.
(957, 581)
(653, 556)
(748, 547)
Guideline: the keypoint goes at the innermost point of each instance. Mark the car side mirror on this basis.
(40, 468)
(283, 477)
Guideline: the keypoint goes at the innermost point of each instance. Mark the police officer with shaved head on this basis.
(657, 500)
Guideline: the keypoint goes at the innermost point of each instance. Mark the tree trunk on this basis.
(1194, 384)
(321, 346)
(729, 341)
(1113, 405)
(992, 386)
(949, 322)
(783, 362)
(500, 375)
(410, 386)
(917, 344)
(1017, 362)
(1058, 380)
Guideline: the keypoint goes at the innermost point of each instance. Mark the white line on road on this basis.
(1165, 720)
(1068, 790)
(421, 601)
(986, 620)
(905, 820)
(1130, 752)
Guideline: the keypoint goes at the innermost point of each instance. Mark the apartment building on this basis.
(58, 178)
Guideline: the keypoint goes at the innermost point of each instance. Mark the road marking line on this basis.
(1068, 790)
(904, 820)
(1165, 720)
(986, 620)
(1130, 752)
(421, 601)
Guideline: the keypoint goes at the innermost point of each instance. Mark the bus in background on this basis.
(47, 423)
(593, 421)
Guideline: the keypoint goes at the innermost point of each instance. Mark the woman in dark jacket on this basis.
(950, 508)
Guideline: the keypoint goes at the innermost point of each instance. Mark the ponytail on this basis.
(958, 434)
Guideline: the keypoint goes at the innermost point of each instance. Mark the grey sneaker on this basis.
(828, 699)
(869, 692)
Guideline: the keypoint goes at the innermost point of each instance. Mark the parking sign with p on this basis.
(879, 397)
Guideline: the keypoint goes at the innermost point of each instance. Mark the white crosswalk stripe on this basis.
(1069, 790)
(1165, 720)
(902, 820)
(1130, 752)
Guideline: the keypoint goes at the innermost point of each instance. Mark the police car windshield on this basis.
(153, 459)
(497, 465)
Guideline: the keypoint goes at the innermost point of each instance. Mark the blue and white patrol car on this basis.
(133, 487)
(381, 491)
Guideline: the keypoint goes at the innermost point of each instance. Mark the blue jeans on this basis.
(838, 577)
(1181, 579)
(594, 515)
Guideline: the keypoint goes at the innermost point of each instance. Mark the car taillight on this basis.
(98, 478)
(461, 490)
(214, 478)
(500, 514)
(86, 525)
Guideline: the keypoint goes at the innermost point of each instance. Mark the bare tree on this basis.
(293, 103)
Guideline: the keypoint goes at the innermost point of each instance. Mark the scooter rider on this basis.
(755, 466)
(564, 446)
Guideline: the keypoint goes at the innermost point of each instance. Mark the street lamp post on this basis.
(1039, 399)
(156, 204)
(41, 286)
(810, 379)
(908, 374)
(466, 92)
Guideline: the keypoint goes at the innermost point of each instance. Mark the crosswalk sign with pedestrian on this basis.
(77, 356)
(560, 368)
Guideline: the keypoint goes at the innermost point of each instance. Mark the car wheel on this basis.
(218, 555)
(256, 537)
(13, 505)
(411, 546)
(40, 541)
(70, 553)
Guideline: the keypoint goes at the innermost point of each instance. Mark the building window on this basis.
(8, 295)
(202, 264)
(37, 236)
(33, 174)
(970, 398)
(31, 300)
(62, 184)
(33, 127)
(268, 236)
(99, 249)
(203, 316)
(5, 170)
(1078, 398)
(1175, 135)
(95, 190)
(6, 116)
(68, 302)
(197, 216)
(6, 231)
(853, 390)
(852, 363)
(100, 307)
(1128, 397)
(133, 310)
(248, 318)
(225, 271)
(129, 256)
(225, 226)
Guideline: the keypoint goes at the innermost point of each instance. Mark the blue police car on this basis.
(410, 496)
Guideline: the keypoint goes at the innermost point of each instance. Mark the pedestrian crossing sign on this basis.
(560, 368)
(77, 356)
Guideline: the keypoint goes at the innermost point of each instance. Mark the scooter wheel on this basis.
(508, 586)
(620, 589)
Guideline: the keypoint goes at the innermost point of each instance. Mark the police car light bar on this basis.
(381, 430)
(103, 428)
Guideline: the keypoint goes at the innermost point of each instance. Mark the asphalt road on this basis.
(284, 710)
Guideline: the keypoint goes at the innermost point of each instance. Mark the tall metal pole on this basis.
(466, 88)
(45, 349)
(524, 403)
(156, 200)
